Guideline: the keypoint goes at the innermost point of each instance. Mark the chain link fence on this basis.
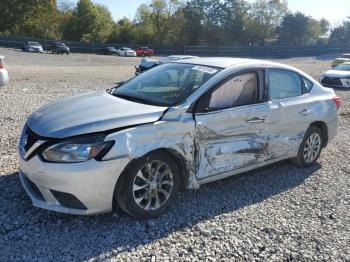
(231, 51)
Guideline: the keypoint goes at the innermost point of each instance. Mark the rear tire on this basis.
(148, 186)
(310, 148)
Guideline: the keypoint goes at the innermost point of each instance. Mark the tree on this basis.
(234, 19)
(298, 28)
(123, 31)
(36, 18)
(203, 22)
(90, 22)
(161, 12)
(266, 16)
(341, 34)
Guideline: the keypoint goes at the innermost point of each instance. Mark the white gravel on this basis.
(275, 213)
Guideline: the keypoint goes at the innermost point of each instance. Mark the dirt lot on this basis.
(276, 213)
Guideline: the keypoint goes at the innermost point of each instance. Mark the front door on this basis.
(232, 121)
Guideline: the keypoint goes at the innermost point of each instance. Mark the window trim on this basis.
(260, 97)
(303, 89)
(303, 78)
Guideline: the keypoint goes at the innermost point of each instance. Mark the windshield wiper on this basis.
(132, 98)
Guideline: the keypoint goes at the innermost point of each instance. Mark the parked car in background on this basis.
(4, 75)
(343, 58)
(147, 64)
(144, 51)
(59, 48)
(339, 76)
(177, 126)
(33, 47)
(109, 50)
(126, 51)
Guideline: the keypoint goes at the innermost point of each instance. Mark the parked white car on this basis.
(342, 59)
(176, 126)
(32, 47)
(126, 51)
(339, 76)
(4, 76)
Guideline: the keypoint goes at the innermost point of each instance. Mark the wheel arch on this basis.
(324, 131)
(174, 154)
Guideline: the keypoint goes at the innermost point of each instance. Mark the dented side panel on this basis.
(227, 140)
(175, 131)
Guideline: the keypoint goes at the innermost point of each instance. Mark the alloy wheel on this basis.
(153, 185)
(312, 147)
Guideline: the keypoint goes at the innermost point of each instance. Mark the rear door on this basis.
(232, 122)
(290, 100)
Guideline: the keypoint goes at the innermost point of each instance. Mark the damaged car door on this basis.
(231, 125)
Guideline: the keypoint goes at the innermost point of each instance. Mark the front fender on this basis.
(175, 135)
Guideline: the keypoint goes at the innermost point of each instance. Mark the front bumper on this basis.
(335, 82)
(90, 183)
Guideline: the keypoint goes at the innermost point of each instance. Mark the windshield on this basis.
(347, 56)
(60, 44)
(343, 67)
(165, 85)
(34, 43)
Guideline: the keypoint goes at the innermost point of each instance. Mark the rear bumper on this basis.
(81, 188)
(333, 128)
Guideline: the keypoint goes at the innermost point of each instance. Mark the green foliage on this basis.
(341, 34)
(89, 22)
(172, 22)
(301, 29)
(26, 17)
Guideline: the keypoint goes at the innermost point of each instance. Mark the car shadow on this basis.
(28, 232)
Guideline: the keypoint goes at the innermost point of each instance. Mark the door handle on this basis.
(305, 112)
(256, 120)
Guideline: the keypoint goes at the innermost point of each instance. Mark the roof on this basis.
(224, 62)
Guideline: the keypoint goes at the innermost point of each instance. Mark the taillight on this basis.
(337, 101)
(1, 66)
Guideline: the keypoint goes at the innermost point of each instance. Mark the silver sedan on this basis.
(177, 126)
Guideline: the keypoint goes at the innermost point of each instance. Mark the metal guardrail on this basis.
(233, 51)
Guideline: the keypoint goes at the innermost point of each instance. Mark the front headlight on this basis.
(345, 82)
(78, 150)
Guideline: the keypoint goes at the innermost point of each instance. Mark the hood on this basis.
(63, 47)
(90, 113)
(337, 73)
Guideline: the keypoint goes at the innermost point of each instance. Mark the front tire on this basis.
(310, 148)
(148, 186)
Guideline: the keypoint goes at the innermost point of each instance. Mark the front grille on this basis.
(331, 81)
(35, 190)
(68, 200)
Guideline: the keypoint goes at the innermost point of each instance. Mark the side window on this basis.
(308, 84)
(284, 84)
(238, 91)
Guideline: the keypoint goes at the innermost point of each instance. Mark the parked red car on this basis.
(144, 51)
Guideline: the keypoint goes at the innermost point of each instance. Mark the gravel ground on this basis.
(276, 213)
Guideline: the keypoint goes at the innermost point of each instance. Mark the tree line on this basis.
(171, 22)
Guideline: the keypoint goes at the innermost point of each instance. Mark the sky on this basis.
(333, 10)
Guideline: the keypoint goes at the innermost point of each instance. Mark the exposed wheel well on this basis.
(178, 158)
(181, 163)
(324, 130)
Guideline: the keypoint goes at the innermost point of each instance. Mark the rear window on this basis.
(284, 84)
(308, 85)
